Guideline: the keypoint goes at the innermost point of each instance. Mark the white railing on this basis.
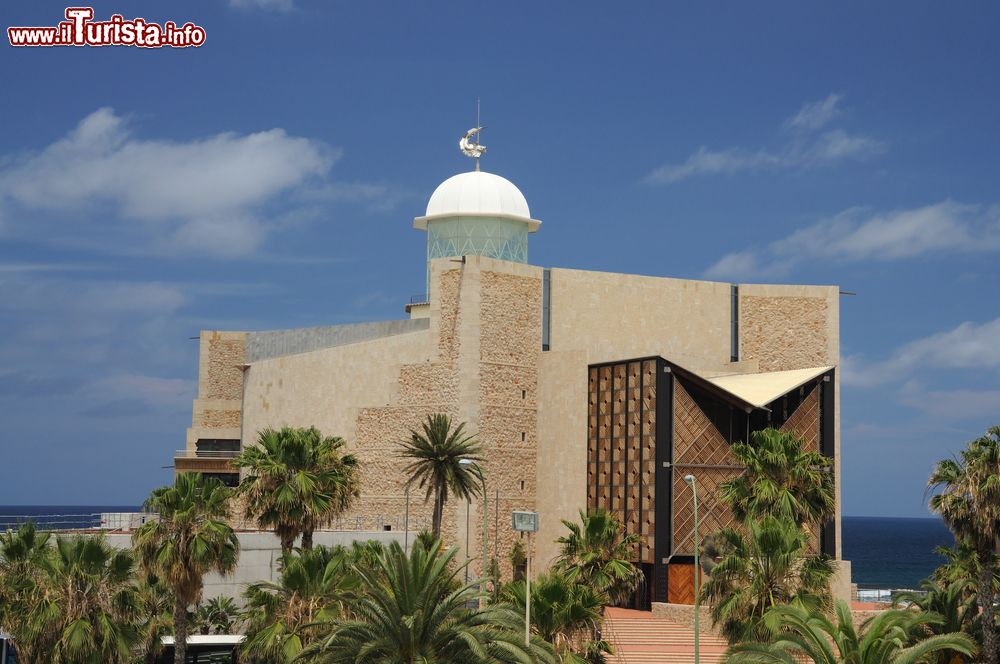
(205, 454)
(881, 595)
(116, 521)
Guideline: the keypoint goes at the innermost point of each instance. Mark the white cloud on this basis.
(860, 234)
(816, 114)
(205, 195)
(808, 149)
(968, 346)
(953, 405)
(274, 5)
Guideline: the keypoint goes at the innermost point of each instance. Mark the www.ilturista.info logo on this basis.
(79, 29)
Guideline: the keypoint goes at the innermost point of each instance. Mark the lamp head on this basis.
(689, 479)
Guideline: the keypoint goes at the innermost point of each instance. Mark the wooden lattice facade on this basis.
(651, 423)
(622, 447)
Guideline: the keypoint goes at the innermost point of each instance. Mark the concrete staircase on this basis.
(640, 638)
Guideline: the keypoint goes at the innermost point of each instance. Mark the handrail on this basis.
(206, 454)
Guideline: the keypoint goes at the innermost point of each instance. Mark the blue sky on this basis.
(269, 179)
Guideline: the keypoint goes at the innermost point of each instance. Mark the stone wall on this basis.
(784, 332)
(510, 342)
(225, 357)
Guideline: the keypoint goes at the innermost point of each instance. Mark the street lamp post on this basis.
(486, 524)
(697, 568)
(406, 522)
(526, 522)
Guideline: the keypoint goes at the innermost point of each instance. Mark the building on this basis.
(585, 388)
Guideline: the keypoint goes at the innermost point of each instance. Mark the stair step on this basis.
(640, 638)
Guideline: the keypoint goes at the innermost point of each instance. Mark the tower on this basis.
(477, 214)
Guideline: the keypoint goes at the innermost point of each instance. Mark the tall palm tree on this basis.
(339, 477)
(21, 554)
(413, 610)
(314, 587)
(598, 553)
(297, 479)
(156, 604)
(190, 539)
(765, 566)
(969, 502)
(958, 612)
(891, 637)
(781, 479)
(88, 607)
(563, 613)
(437, 452)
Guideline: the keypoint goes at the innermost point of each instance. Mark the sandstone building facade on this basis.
(584, 388)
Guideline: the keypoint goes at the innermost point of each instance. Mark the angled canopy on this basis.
(760, 389)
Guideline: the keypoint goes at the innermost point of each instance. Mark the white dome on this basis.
(478, 193)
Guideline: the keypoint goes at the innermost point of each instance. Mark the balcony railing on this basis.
(205, 454)
(420, 298)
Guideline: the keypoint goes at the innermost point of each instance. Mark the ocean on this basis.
(893, 552)
(884, 552)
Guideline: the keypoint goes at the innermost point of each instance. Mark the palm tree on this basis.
(438, 452)
(217, 615)
(957, 610)
(891, 637)
(297, 479)
(970, 504)
(21, 554)
(564, 614)
(961, 564)
(87, 608)
(314, 586)
(764, 567)
(156, 605)
(190, 539)
(338, 477)
(598, 553)
(781, 479)
(414, 609)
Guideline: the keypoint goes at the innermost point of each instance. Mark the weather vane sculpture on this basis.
(469, 144)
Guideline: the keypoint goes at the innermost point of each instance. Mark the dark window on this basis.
(546, 315)
(229, 479)
(218, 445)
(734, 323)
(201, 654)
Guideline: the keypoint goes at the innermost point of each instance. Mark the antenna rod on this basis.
(479, 135)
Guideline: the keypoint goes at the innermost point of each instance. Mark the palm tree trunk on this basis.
(438, 511)
(180, 631)
(989, 653)
(307, 538)
(287, 542)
